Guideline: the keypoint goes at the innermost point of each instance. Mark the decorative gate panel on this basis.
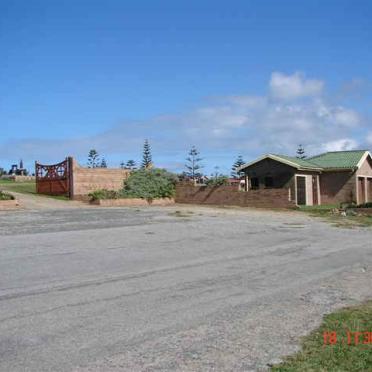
(54, 179)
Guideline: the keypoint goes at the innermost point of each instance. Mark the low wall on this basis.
(229, 195)
(8, 204)
(363, 211)
(18, 178)
(132, 202)
(86, 180)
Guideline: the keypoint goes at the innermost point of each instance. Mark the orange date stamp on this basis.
(349, 338)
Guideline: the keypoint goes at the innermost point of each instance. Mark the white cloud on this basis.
(369, 138)
(343, 144)
(246, 124)
(289, 87)
(346, 117)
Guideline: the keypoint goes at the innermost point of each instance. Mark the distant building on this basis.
(18, 170)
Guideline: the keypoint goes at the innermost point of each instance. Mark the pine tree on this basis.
(131, 164)
(122, 165)
(147, 158)
(300, 153)
(193, 165)
(93, 159)
(103, 163)
(239, 162)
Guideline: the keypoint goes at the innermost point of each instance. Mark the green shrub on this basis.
(365, 205)
(217, 181)
(346, 205)
(104, 194)
(150, 184)
(6, 196)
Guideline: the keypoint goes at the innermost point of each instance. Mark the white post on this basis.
(246, 184)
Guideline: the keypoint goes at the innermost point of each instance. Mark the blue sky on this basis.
(232, 77)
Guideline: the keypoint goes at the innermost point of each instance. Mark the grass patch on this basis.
(181, 214)
(6, 196)
(345, 354)
(325, 212)
(27, 188)
(317, 208)
(21, 187)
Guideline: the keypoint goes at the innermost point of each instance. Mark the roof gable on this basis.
(297, 163)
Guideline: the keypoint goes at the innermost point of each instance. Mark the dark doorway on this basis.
(369, 190)
(301, 190)
(255, 184)
(315, 190)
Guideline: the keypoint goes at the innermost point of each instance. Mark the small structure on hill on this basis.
(18, 170)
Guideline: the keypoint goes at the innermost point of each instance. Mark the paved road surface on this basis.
(89, 289)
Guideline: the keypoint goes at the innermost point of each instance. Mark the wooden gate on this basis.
(54, 179)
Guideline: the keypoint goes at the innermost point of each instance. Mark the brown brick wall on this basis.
(366, 168)
(229, 195)
(86, 180)
(337, 187)
(133, 202)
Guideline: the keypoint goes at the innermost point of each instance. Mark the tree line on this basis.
(193, 165)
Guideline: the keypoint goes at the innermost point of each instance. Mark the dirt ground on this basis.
(180, 288)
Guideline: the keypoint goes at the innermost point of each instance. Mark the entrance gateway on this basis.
(55, 179)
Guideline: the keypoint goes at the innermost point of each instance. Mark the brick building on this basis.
(329, 178)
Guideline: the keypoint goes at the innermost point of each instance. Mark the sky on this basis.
(230, 77)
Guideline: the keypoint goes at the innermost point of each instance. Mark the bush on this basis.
(104, 194)
(150, 184)
(365, 205)
(346, 205)
(6, 196)
(217, 181)
(142, 183)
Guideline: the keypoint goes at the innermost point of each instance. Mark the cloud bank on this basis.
(294, 110)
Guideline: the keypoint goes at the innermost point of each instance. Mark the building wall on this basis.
(338, 187)
(86, 180)
(366, 168)
(229, 195)
(365, 188)
(282, 174)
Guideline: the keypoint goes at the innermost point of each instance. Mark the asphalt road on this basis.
(179, 288)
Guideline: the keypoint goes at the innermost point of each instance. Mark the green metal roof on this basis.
(338, 159)
(301, 163)
(327, 161)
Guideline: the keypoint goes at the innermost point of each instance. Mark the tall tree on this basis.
(93, 159)
(234, 172)
(122, 165)
(146, 157)
(131, 164)
(300, 153)
(103, 163)
(193, 165)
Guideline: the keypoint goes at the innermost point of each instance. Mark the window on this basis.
(269, 182)
(255, 183)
